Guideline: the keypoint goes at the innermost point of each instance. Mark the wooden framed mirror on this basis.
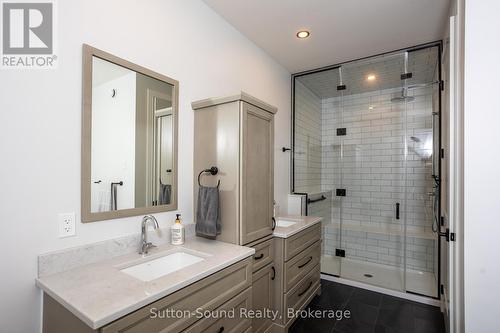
(129, 138)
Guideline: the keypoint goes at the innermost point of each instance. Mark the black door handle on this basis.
(274, 273)
(221, 329)
(274, 224)
(397, 210)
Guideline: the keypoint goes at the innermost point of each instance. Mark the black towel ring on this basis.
(213, 171)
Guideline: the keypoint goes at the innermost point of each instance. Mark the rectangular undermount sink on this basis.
(162, 266)
(285, 223)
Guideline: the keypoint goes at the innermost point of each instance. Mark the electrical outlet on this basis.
(66, 225)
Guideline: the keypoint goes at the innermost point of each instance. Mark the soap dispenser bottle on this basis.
(177, 231)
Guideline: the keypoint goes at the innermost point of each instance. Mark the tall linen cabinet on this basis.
(236, 135)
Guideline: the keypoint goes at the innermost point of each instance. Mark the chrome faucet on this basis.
(145, 245)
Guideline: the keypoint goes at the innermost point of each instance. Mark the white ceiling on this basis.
(341, 30)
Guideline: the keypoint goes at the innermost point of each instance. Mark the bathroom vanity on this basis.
(297, 253)
(110, 297)
(133, 293)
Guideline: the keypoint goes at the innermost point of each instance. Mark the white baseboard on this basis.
(411, 297)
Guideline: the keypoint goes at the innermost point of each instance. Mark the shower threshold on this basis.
(390, 277)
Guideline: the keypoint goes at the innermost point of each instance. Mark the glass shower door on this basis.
(373, 172)
(316, 153)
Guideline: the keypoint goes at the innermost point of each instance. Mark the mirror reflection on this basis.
(132, 140)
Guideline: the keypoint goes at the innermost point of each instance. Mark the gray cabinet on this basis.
(263, 281)
(263, 299)
(236, 134)
(257, 190)
(296, 261)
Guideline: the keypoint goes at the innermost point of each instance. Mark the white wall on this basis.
(40, 113)
(481, 161)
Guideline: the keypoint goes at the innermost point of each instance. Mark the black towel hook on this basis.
(213, 171)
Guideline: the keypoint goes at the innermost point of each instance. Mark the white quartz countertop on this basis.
(300, 223)
(100, 293)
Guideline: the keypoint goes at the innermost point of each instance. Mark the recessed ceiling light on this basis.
(303, 34)
(371, 107)
(371, 77)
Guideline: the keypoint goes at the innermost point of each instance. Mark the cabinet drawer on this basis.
(302, 240)
(227, 323)
(297, 267)
(207, 294)
(264, 254)
(296, 297)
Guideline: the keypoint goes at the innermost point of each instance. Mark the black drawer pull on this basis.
(274, 273)
(274, 224)
(304, 264)
(259, 256)
(221, 329)
(305, 291)
(397, 210)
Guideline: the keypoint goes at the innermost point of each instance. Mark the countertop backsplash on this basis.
(62, 260)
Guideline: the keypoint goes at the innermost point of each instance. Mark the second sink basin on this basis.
(285, 223)
(163, 265)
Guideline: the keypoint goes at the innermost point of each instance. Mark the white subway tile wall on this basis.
(307, 152)
(369, 161)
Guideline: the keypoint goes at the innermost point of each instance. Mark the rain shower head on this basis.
(402, 98)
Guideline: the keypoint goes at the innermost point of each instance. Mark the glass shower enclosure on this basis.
(366, 153)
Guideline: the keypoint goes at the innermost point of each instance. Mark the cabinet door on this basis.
(257, 179)
(263, 296)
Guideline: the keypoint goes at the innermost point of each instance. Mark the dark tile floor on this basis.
(369, 312)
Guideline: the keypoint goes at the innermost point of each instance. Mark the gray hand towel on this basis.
(165, 193)
(207, 212)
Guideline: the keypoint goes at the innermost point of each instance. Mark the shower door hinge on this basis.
(342, 87)
(340, 253)
(341, 131)
(442, 220)
(441, 288)
(341, 192)
(442, 152)
(405, 76)
(441, 85)
(452, 236)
